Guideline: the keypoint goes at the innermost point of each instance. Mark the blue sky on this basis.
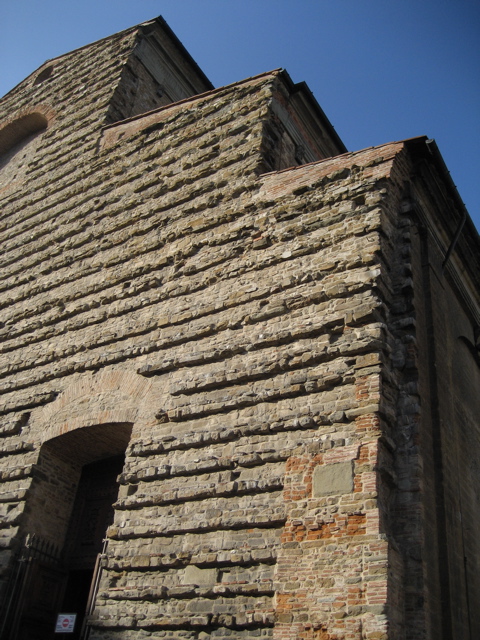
(382, 70)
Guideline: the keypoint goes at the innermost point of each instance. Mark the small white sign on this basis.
(65, 622)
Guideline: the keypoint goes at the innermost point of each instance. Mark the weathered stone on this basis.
(333, 479)
(198, 576)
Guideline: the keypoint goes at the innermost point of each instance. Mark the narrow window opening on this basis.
(43, 75)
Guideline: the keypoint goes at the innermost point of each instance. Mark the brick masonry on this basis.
(275, 344)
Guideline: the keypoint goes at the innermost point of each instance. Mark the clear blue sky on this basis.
(382, 70)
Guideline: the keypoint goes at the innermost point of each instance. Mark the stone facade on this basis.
(282, 339)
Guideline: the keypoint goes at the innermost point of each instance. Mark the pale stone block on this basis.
(202, 577)
(333, 478)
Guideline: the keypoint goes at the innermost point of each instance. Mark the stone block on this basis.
(333, 479)
(201, 577)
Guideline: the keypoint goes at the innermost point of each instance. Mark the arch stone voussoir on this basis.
(103, 398)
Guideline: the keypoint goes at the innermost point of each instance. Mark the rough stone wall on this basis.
(136, 93)
(71, 96)
(280, 373)
(251, 342)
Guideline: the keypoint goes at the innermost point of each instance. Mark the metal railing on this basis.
(34, 548)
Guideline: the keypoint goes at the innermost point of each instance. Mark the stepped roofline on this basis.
(147, 26)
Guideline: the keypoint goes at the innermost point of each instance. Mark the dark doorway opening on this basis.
(91, 516)
(73, 500)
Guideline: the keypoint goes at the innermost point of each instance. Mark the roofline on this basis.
(161, 21)
(197, 96)
(421, 148)
(350, 154)
(138, 27)
(302, 87)
(429, 151)
(63, 55)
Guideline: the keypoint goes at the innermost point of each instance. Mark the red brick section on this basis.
(372, 162)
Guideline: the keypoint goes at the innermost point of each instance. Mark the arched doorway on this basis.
(69, 508)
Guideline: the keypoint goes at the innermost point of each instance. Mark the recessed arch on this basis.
(20, 129)
(91, 444)
(20, 138)
(57, 473)
(105, 398)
